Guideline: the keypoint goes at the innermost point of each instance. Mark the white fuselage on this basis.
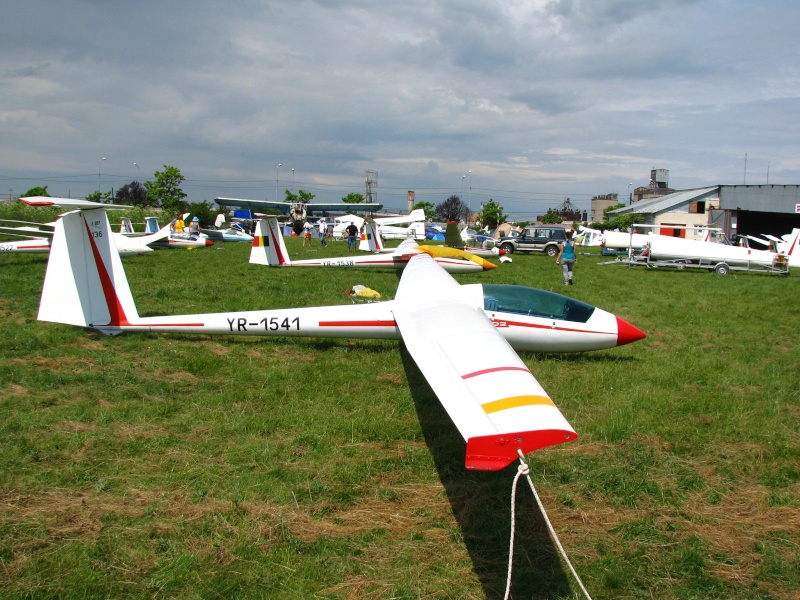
(377, 321)
(386, 261)
(624, 240)
(26, 246)
(670, 248)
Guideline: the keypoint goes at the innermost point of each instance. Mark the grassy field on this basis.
(156, 466)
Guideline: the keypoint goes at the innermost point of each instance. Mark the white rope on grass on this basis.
(523, 469)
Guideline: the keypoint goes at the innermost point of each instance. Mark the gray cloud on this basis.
(539, 99)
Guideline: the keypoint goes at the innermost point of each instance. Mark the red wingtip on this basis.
(496, 452)
(627, 333)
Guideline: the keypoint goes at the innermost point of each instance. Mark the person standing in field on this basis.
(352, 232)
(567, 258)
(323, 230)
(307, 227)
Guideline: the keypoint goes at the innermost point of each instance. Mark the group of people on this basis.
(178, 226)
(322, 233)
(351, 230)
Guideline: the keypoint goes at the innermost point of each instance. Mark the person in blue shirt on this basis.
(567, 258)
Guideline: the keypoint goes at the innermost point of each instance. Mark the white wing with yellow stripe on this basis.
(489, 393)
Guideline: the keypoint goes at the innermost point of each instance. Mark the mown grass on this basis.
(198, 466)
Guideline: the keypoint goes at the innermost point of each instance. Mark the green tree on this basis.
(353, 198)
(552, 219)
(301, 196)
(204, 211)
(606, 210)
(133, 193)
(36, 191)
(492, 215)
(452, 209)
(428, 207)
(166, 190)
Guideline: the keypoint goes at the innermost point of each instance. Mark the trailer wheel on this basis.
(722, 269)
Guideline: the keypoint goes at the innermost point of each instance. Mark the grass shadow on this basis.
(481, 505)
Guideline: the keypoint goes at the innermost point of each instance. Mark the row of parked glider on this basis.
(492, 397)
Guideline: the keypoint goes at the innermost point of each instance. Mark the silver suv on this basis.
(543, 238)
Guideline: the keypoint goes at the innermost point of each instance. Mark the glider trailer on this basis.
(661, 251)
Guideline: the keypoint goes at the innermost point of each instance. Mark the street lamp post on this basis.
(99, 166)
(293, 181)
(470, 191)
(630, 198)
(277, 177)
(463, 177)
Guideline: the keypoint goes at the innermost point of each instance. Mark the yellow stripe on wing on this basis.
(514, 402)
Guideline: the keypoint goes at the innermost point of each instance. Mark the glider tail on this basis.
(85, 284)
(125, 225)
(268, 245)
(370, 239)
(794, 243)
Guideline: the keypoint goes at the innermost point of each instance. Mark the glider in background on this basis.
(453, 238)
(492, 397)
(41, 234)
(163, 237)
(269, 248)
(297, 210)
(387, 226)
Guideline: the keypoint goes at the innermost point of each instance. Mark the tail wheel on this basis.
(722, 269)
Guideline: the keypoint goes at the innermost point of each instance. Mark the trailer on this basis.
(780, 265)
(665, 252)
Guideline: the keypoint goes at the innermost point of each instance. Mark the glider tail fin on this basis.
(85, 283)
(151, 225)
(794, 244)
(370, 239)
(268, 245)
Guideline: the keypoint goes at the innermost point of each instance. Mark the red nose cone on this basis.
(501, 252)
(627, 333)
(209, 242)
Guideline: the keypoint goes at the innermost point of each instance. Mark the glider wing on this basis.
(492, 397)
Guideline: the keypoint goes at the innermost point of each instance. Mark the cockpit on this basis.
(521, 300)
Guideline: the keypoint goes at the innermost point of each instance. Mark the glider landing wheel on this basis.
(722, 269)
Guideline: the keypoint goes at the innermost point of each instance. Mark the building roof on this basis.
(664, 203)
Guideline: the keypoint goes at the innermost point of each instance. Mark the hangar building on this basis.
(737, 209)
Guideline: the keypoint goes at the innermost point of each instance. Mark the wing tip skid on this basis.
(496, 452)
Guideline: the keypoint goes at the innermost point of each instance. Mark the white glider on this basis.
(163, 237)
(491, 396)
(40, 234)
(269, 248)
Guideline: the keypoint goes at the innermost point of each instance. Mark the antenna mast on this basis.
(370, 182)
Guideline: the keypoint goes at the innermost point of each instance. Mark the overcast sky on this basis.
(540, 100)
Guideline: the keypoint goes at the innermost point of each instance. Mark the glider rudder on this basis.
(268, 245)
(85, 283)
